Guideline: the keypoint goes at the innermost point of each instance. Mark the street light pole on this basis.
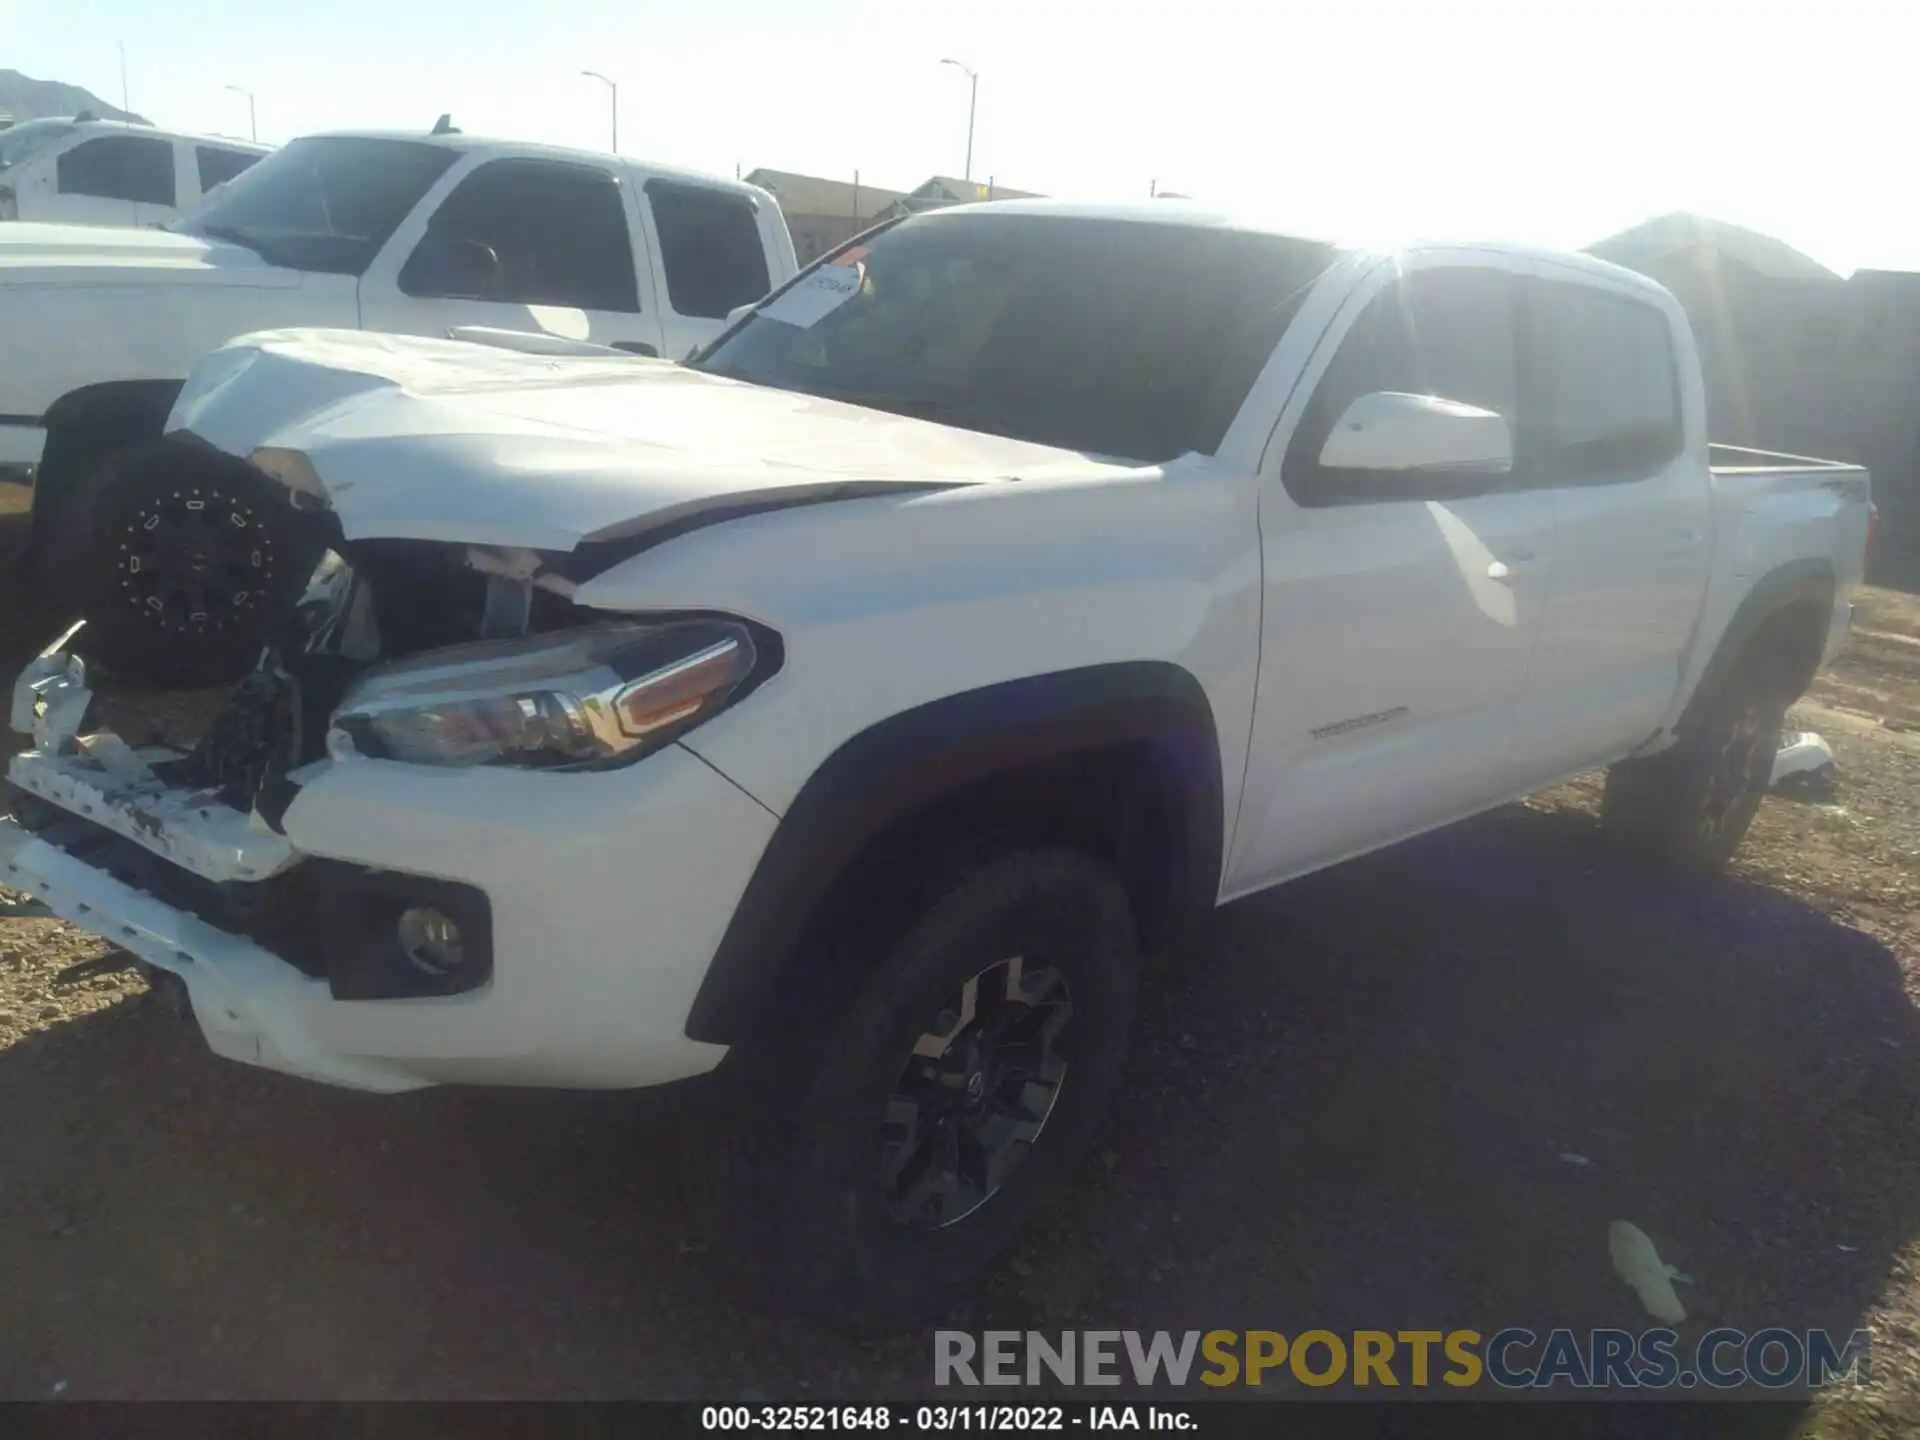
(253, 121)
(613, 95)
(973, 104)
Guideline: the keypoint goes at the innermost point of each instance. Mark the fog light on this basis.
(431, 940)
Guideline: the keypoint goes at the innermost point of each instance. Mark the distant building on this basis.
(1798, 358)
(943, 190)
(821, 213)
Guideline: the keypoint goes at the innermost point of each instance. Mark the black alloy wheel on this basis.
(975, 1094)
(194, 560)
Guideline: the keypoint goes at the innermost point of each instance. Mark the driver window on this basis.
(529, 232)
(1445, 332)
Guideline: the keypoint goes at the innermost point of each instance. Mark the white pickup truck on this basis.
(411, 234)
(856, 704)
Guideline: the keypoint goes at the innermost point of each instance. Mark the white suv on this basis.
(106, 172)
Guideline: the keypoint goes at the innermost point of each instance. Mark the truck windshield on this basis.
(1136, 339)
(29, 138)
(325, 203)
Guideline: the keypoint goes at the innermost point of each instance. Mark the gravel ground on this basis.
(1349, 1108)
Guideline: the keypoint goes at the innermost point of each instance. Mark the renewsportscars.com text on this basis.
(1514, 1358)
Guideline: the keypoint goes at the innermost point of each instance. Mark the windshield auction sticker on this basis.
(819, 295)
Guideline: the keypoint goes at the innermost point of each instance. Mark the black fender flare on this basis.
(1808, 581)
(900, 765)
(75, 436)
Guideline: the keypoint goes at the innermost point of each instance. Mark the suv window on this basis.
(1111, 337)
(529, 232)
(710, 246)
(218, 166)
(120, 167)
(1446, 332)
(1610, 407)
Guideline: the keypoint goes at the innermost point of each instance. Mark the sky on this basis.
(1543, 121)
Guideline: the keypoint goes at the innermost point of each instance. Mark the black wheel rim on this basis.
(1740, 769)
(975, 1094)
(194, 560)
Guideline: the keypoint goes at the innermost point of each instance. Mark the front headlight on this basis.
(610, 693)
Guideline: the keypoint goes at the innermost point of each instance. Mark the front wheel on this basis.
(961, 1086)
(182, 569)
(1692, 804)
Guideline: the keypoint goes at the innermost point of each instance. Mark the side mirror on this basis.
(1388, 430)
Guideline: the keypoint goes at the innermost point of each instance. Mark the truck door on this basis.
(1632, 510)
(1400, 608)
(709, 257)
(520, 243)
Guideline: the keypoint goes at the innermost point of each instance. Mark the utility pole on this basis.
(613, 96)
(973, 105)
(253, 121)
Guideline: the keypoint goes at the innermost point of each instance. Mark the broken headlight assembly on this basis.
(601, 695)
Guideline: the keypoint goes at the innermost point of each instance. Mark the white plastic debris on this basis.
(1639, 1264)
(1804, 753)
(1572, 1159)
(115, 756)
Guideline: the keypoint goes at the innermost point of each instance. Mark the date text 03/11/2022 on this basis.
(991, 1419)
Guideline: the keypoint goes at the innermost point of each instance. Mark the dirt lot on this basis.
(1349, 1109)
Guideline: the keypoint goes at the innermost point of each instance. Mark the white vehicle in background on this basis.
(440, 235)
(86, 171)
(856, 703)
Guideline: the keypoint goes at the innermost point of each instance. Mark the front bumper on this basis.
(609, 893)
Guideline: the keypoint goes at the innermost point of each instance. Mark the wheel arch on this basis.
(85, 425)
(1123, 758)
(1783, 621)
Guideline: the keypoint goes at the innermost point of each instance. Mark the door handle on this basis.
(637, 347)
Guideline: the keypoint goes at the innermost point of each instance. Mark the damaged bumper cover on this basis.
(602, 897)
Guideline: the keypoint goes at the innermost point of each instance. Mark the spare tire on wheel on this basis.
(183, 564)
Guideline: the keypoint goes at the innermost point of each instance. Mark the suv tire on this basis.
(1690, 806)
(900, 1145)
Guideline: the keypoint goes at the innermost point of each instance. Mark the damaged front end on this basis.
(426, 654)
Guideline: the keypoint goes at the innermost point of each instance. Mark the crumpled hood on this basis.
(33, 254)
(445, 440)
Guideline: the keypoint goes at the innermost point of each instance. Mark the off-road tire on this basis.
(97, 535)
(823, 1242)
(1690, 805)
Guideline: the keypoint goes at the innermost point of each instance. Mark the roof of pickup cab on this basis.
(531, 149)
(1201, 216)
(133, 127)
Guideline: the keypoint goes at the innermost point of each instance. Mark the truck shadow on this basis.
(1410, 1092)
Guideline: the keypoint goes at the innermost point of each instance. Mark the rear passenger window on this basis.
(1610, 407)
(120, 167)
(219, 166)
(710, 246)
(1444, 332)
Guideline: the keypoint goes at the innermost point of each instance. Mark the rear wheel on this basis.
(1692, 804)
(901, 1145)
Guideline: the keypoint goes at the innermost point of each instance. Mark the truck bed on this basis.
(1735, 460)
